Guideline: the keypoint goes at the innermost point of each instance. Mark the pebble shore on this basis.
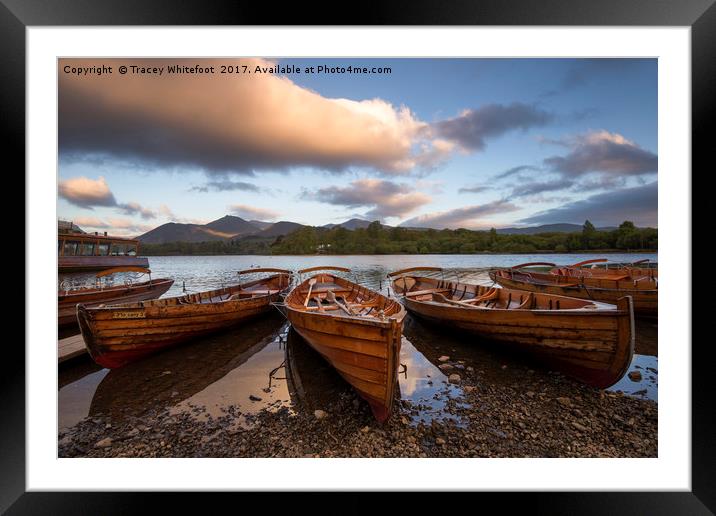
(544, 414)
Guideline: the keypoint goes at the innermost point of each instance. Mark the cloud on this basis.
(113, 226)
(87, 193)
(251, 212)
(230, 123)
(474, 189)
(387, 198)
(637, 204)
(603, 152)
(517, 170)
(167, 213)
(474, 126)
(226, 186)
(134, 208)
(597, 160)
(95, 193)
(467, 217)
(538, 187)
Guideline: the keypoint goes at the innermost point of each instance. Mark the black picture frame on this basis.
(700, 15)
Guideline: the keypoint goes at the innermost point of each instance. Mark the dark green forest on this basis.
(378, 239)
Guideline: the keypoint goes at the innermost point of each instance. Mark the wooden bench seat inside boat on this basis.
(427, 291)
(244, 294)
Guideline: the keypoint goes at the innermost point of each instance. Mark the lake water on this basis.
(265, 360)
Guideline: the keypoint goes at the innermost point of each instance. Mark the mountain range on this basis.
(230, 227)
(548, 228)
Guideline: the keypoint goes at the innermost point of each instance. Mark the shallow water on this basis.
(264, 359)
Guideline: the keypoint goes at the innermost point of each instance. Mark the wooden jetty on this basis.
(70, 347)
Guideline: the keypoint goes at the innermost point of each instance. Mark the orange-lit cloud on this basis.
(228, 123)
(87, 193)
(95, 193)
(248, 122)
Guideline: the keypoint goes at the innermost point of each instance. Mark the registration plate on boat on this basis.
(129, 315)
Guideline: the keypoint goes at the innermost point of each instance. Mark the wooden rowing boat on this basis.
(642, 289)
(591, 341)
(127, 292)
(118, 334)
(357, 330)
(618, 272)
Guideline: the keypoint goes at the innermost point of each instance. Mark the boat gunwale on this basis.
(528, 281)
(163, 302)
(600, 307)
(92, 290)
(341, 317)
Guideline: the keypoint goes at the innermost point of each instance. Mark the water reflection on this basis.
(426, 387)
(202, 372)
(646, 383)
(312, 382)
(252, 381)
(75, 397)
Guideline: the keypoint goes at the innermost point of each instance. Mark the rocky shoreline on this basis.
(543, 414)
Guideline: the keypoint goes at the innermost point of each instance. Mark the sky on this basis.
(441, 143)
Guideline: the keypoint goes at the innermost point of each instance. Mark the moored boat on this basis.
(357, 330)
(591, 341)
(619, 271)
(105, 291)
(118, 334)
(78, 251)
(608, 289)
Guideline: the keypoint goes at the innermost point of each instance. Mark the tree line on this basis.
(379, 239)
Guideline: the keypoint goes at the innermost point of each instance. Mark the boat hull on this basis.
(365, 355)
(67, 304)
(646, 302)
(595, 348)
(98, 263)
(365, 351)
(117, 335)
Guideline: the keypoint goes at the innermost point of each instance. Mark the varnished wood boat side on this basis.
(363, 349)
(593, 343)
(118, 334)
(645, 295)
(67, 302)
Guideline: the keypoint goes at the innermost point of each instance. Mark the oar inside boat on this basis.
(403, 281)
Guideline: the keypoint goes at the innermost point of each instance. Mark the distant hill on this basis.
(283, 227)
(231, 225)
(548, 228)
(353, 224)
(261, 224)
(176, 232)
(228, 227)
